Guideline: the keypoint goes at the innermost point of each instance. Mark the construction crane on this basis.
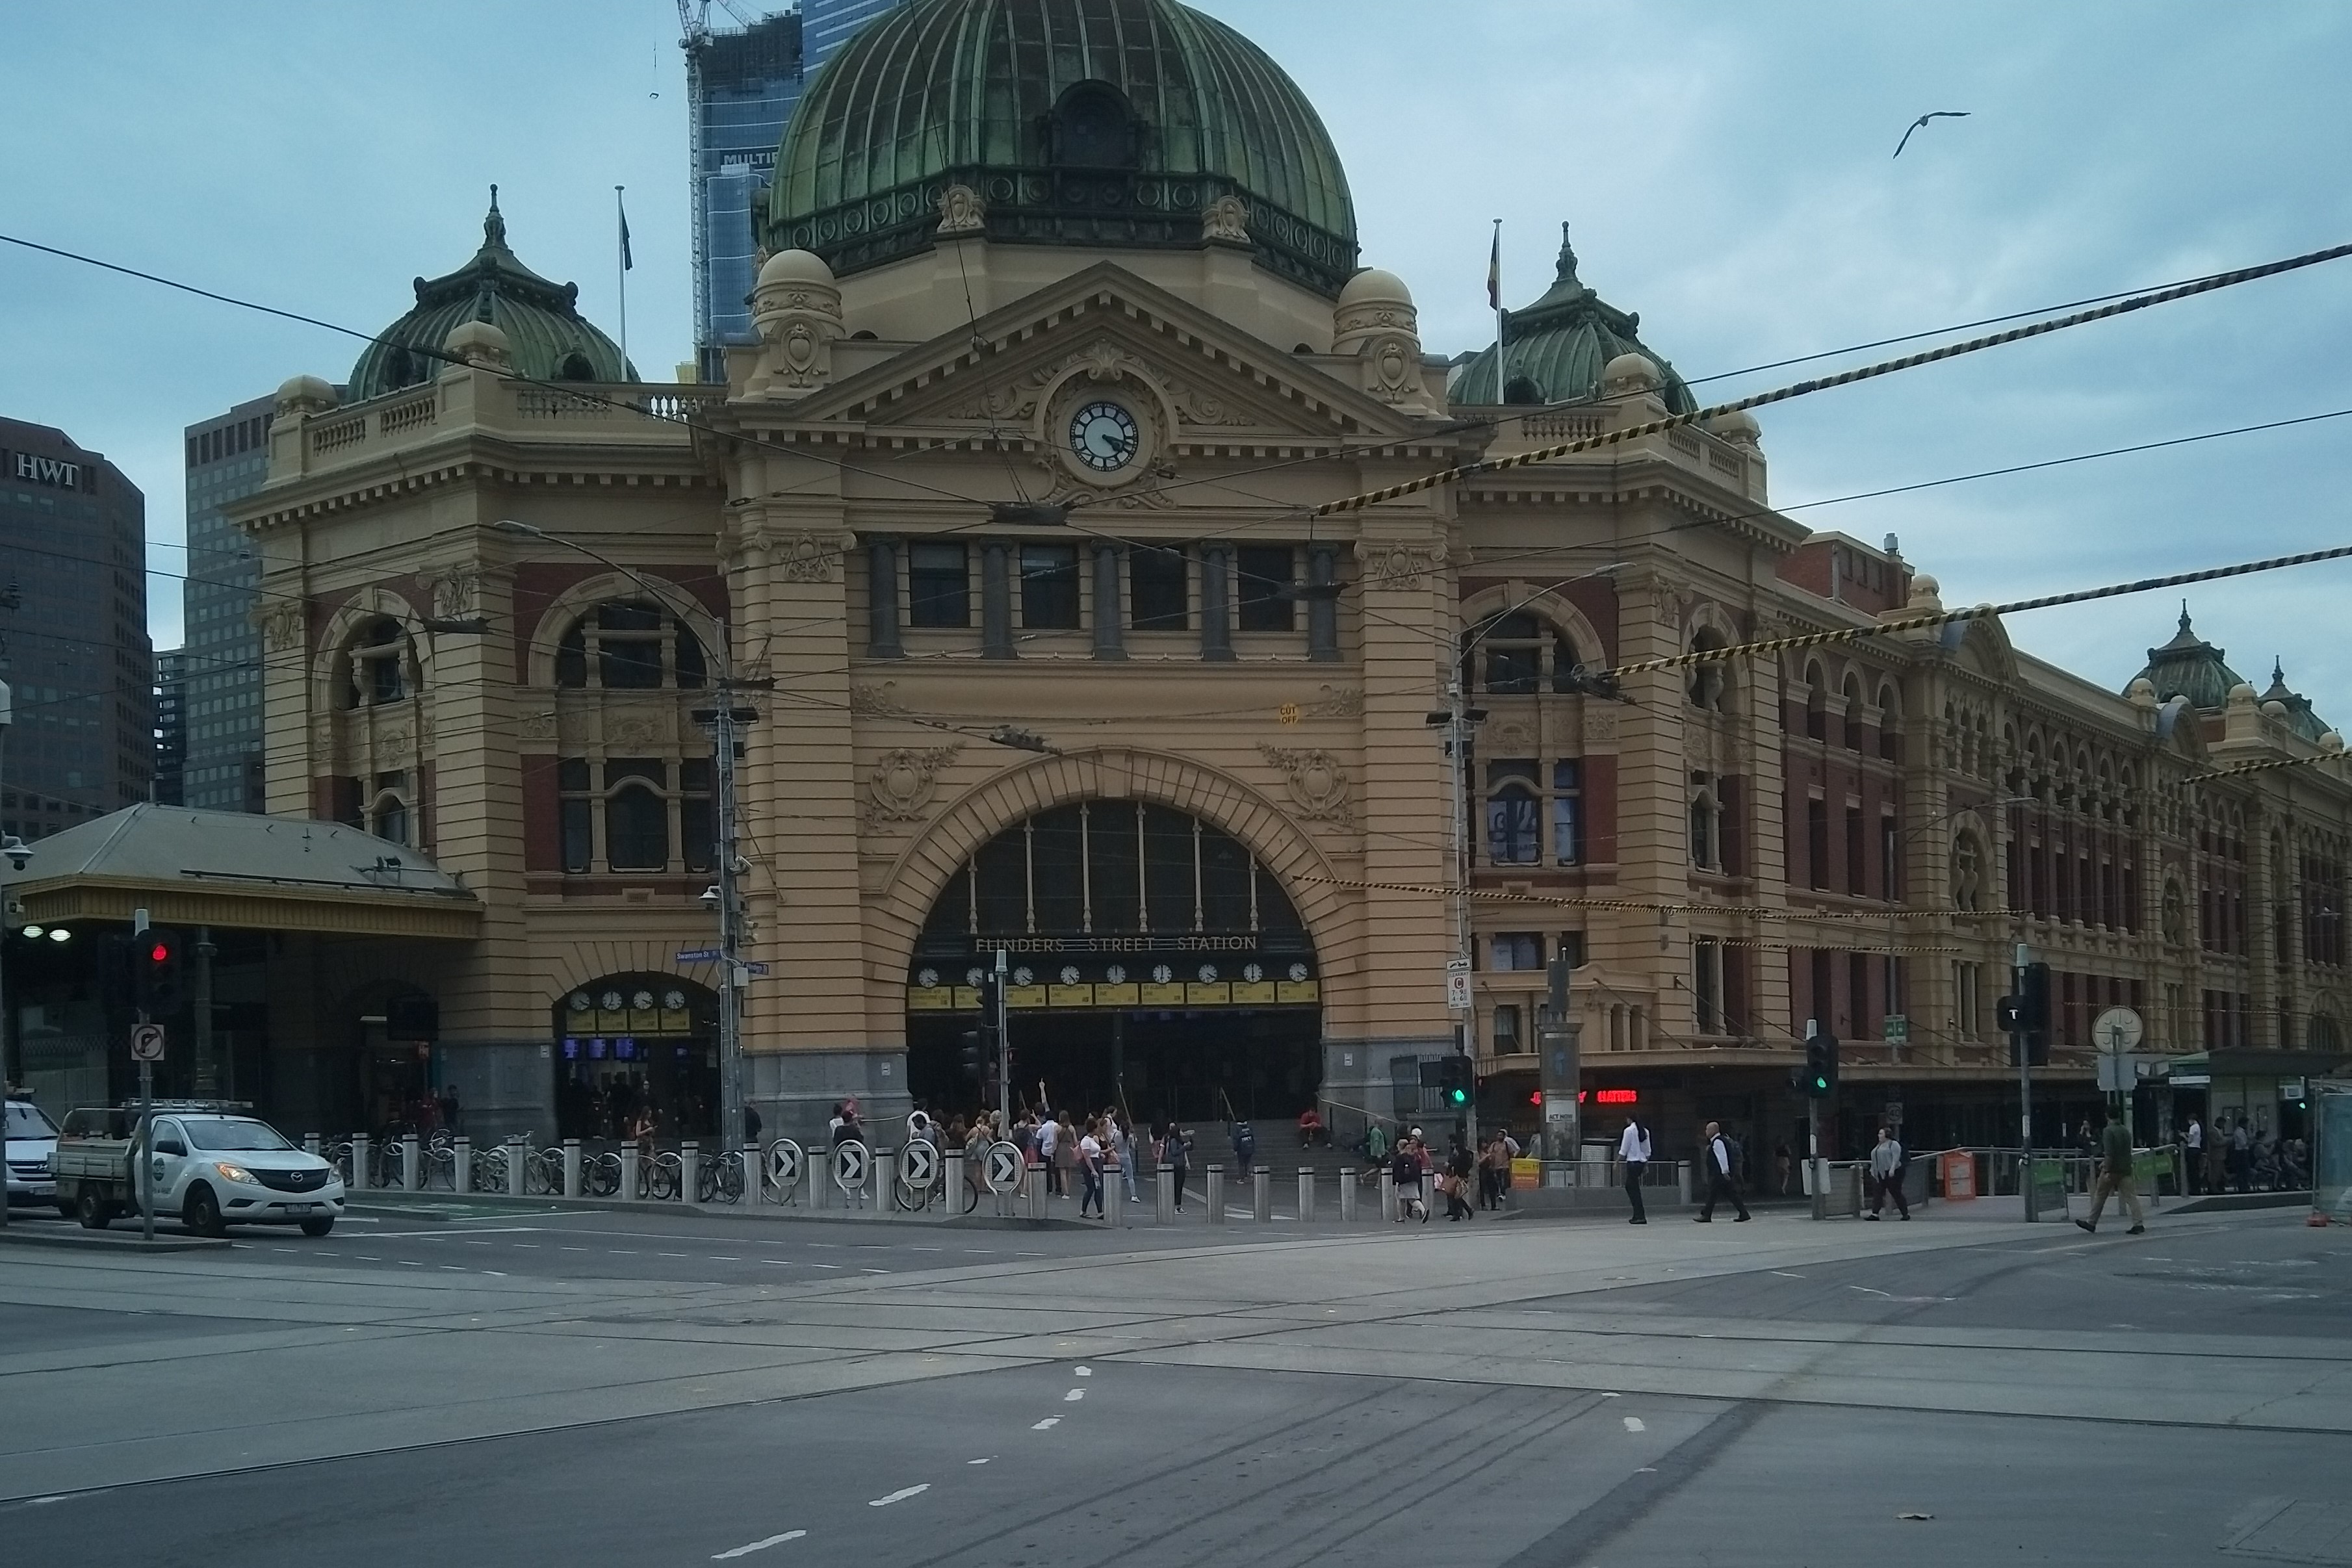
(694, 16)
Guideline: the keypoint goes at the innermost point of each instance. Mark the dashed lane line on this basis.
(1047, 1425)
(901, 1495)
(1074, 1396)
(1634, 1423)
(758, 1545)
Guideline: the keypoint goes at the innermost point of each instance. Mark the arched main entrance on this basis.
(627, 1041)
(1156, 962)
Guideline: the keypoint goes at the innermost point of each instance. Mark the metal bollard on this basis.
(1305, 1195)
(1387, 1196)
(1164, 1195)
(755, 1176)
(1036, 1185)
(1347, 1197)
(410, 1167)
(886, 1181)
(309, 1143)
(629, 1169)
(690, 1171)
(1262, 1195)
(1216, 1195)
(572, 1167)
(461, 1179)
(360, 1162)
(517, 1153)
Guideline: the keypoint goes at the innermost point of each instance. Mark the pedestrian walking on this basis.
(1244, 1148)
(1174, 1154)
(2241, 1156)
(1455, 1182)
(1376, 1145)
(1129, 1155)
(2116, 1178)
(1720, 1162)
(1405, 1173)
(1090, 1170)
(1886, 1176)
(1780, 1170)
(1049, 1149)
(2192, 1157)
(1633, 1157)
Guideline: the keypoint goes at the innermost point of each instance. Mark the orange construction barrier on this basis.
(1959, 1168)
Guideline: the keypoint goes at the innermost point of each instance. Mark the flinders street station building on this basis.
(1001, 547)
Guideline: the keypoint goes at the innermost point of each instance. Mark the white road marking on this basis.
(1868, 1292)
(1612, 1397)
(1086, 1371)
(670, 1254)
(715, 1257)
(493, 1274)
(978, 1462)
(873, 1271)
(825, 1265)
(1074, 1396)
(901, 1495)
(1786, 1275)
(758, 1545)
(1047, 1425)
(1634, 1423)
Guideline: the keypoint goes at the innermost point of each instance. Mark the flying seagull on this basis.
(1931, 114)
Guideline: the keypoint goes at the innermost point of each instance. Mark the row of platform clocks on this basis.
(1162, 975)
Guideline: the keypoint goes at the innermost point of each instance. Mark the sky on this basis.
(1726, 172)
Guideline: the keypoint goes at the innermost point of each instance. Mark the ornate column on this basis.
(1216, 608)
(995, 600)
(1110, 631)
(882, 600)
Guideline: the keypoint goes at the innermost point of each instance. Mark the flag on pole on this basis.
(627, 261)
(1495, 270)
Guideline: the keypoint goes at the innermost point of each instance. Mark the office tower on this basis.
(171, 727)
(228, 456)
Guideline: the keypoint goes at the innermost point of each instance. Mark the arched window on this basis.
(1706, 686)
(379, 666)
(643, 805)
(1968, 873)
(574, 367)
(1851, 698)
(388, 819)
(2326, 1034)
(637, 827)
(1514, 814)
(1890, 734)
(1705, 832)
(632, 646)
(1515, 648)
(1817, 705)
(1091, 128)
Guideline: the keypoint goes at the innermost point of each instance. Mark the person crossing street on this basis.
(2116, 1178)
(1720, 1184)
(1886, 1176)
(1634, 1154)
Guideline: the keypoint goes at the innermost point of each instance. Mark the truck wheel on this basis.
(318, 1226)
(92, 1211)
(201, 1213)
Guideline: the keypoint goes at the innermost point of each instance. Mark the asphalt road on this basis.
(677, 1391)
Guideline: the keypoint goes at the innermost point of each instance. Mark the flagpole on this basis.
(621, 271)
(1495, 294)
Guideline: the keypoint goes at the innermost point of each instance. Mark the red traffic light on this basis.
(161, 953)
(1536, 1098)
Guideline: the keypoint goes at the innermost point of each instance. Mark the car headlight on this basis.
(234, 1172)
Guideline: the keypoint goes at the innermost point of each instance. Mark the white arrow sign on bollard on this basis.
(919, 1165)
(849, 1163)
(785, 1166)
(1003, 1166)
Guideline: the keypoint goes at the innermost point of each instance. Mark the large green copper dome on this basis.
(1102, 123)
(1557, 348)
(2189, 666)
(546, 335)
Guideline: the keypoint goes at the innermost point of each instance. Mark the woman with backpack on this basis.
(1173, 1153)
(1405, 1171)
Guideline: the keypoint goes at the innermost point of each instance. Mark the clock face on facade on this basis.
(1104, 436)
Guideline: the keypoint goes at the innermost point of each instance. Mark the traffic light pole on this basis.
(2019, 1047)
(1003, 1050)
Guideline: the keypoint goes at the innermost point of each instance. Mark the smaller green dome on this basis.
(2189, 666)
(1558, 347)
(546, 334)
(2299, 715)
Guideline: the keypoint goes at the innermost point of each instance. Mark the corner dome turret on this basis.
(1559, 350)
(547, 338)
(1105, 124)
(2189, 666)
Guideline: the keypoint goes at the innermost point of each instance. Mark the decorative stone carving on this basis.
(455, 593)
(901, 786)
(1400, 565)
(1226, 219)
(633, 729)
(1376, 324)
(1511, 738)
(1318, 784)
(1337, 701)
(807, 558)
(962, 212)
(876, 701)
(391, 741)
(796, 309)
(1600, 724)
(540, 725)
(280, 625)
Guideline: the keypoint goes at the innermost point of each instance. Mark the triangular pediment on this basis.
(1102, 324)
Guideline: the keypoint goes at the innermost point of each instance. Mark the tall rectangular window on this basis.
(1514, 826)
(1854, 884)
(1049, 587)
(577, 815)
(1967, 999)
(1157, 583)
(1857, 985)
(939, 585)
(1817, 843)
(1519, 950)
(1890, 856)
(1506, 1031)
(1707, 984)
(1265, 571)
(1567, 812)
(697, 815)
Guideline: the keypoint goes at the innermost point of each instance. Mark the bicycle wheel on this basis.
(600, 1176)
(661, 1178)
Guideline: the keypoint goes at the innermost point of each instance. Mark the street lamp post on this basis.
(1458, 717)
(723, 716)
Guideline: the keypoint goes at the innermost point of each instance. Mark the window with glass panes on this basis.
(636, 814)
(939, 585)
(630, 646)
(1519, 653)
(1264, 572)
(1049, 587)
(1158, 584)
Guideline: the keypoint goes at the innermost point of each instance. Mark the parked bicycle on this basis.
(719, 1179)
(658, 1177)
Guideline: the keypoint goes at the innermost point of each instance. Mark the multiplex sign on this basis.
(56, 472)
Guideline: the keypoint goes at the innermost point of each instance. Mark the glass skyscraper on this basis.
(227, 457)
(73, 633)
(741, 88)
(171, 727)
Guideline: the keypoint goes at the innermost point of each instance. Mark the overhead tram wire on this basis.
(569, 389)
(1358, 503)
